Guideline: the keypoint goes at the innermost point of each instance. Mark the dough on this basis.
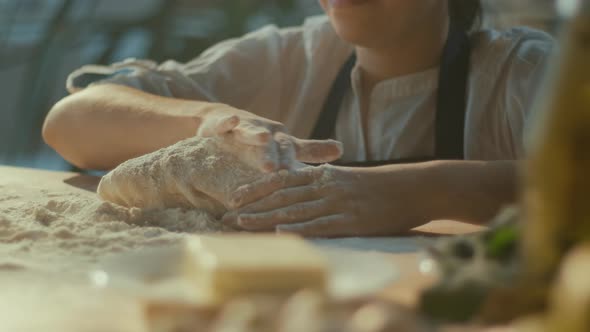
(197, 173)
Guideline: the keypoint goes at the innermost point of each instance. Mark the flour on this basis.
(198, 173)
(67, 230)
(153, 200)
(54, 234)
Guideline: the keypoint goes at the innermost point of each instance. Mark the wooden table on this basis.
(404, 290)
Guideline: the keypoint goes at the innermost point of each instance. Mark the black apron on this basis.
(450, 103)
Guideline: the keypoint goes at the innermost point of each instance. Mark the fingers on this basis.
(328, 226)
(270, 157)
(288, 215)
(251, 134)
(282, 198)
(283, 150)
(280, 150)
(218, 125)
(276, 200)
(226, 124)
(317, 152)
(263, 157)
(286, 150)
(261, 188)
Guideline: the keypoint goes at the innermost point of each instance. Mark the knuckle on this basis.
(307, 174)
(239, 129)
(278, 180)
(339, 188)
(279, 196)
(244, 190)
(286, 146)
(318, 172)
(320, 188)
(281, 135)
(277, 216)
(277, 127)
(326, 190)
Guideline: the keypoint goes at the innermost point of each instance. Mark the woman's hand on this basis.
(329, 201)
(278, 150)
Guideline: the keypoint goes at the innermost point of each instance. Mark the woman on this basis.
(394, 81)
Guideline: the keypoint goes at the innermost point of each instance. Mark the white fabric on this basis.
(286, 74)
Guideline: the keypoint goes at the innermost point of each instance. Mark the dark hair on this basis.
(466, 13)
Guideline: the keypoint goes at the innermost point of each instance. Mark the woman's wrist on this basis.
(409, 189)
(469, 191)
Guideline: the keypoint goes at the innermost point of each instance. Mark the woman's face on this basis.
(383, 23)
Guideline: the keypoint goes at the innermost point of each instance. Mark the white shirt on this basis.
(286, 74)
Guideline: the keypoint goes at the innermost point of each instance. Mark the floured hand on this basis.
(329, 201)
(195, 173)
(276, 149)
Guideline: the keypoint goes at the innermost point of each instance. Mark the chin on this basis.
(358, 33)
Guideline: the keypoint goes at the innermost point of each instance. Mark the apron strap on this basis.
(450, 103)
(326, 124)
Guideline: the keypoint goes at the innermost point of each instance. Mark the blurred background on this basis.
(42, 41)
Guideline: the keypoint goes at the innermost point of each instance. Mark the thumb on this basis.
(316, 151)
(213, 126)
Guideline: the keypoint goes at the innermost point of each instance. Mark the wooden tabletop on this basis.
(404, 290)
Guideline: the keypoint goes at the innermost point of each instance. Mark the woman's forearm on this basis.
(468, 191)
(471, 191)
(102, 126)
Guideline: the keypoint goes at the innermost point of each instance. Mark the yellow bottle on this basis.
(557, 194)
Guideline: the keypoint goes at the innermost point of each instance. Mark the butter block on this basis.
(225, 266)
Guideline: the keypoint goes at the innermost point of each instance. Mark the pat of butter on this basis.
(224, 266)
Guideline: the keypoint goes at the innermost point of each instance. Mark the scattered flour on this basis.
(81, 230)
(53, 237)
(153, 200)
(150, 201)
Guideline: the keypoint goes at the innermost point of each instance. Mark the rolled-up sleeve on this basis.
(231, 72)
